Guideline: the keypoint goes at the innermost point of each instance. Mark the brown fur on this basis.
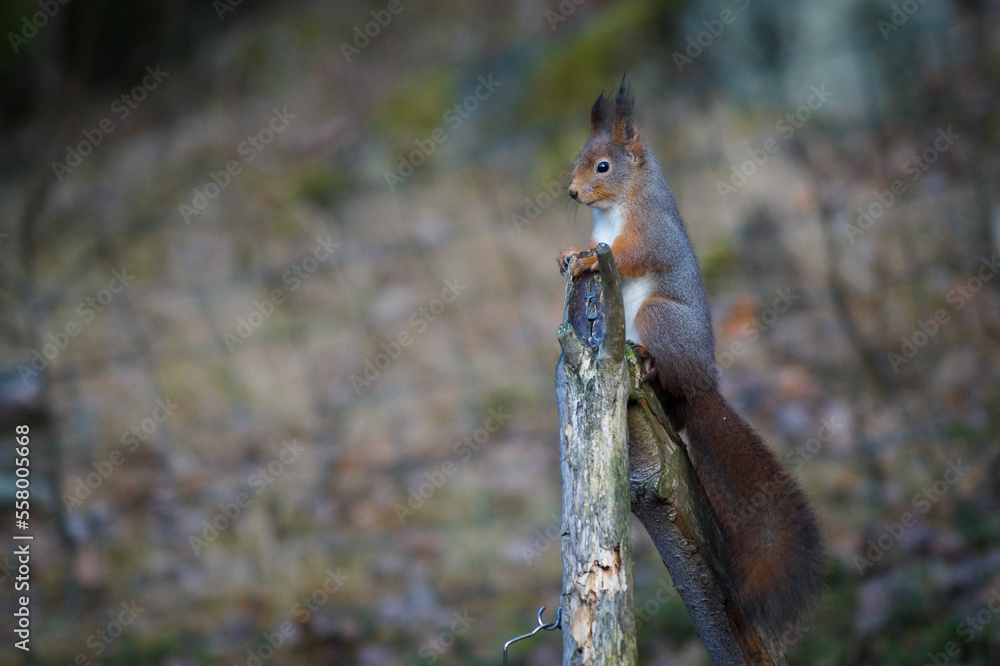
(773, 547)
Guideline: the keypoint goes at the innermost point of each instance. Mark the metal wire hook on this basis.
(541, 626)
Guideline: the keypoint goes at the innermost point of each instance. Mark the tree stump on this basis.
(619, 453)
(598, 626)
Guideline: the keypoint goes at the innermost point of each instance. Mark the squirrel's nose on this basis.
(572, 192)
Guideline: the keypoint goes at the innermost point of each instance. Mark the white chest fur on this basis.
(634, 294)
(608, 225)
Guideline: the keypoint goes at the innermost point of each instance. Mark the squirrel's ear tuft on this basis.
(624, 129)
(600, 115)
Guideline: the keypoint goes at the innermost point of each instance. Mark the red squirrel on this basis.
(773, 552)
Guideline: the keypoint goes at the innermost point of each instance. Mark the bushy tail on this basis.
(772, 549)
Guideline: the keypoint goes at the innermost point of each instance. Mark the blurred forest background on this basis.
(279, 299)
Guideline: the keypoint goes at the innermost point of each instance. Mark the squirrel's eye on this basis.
(602, 167)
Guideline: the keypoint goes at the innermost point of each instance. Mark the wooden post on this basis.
(600, 405)
(598, 626)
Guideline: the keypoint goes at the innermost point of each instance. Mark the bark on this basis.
(598, 626)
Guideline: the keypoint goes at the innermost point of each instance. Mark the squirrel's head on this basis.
(609, 166)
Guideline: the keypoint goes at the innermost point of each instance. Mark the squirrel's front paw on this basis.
(564, 257)
(584, 263)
